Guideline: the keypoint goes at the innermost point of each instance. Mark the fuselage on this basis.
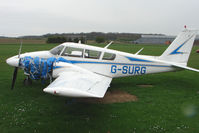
(107, 62)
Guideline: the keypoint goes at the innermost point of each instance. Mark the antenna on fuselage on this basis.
(139, 51)
(108, 45)
(20, 48)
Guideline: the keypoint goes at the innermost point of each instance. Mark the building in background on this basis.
(159, 39)
(155, 39)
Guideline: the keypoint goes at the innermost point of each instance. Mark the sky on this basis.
(38, 17)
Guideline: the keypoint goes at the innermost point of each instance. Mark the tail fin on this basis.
(180, 48)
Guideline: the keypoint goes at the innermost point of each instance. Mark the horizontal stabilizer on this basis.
(185, 67)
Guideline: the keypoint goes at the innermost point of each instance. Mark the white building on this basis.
(156, 39)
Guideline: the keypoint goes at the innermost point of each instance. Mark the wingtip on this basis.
(69, 92)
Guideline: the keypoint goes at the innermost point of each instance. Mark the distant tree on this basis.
(100, 39)
(56, 39)
(76, 40)
(83, 40)
(69, 39)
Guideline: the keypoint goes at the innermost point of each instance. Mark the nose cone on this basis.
(13, 61)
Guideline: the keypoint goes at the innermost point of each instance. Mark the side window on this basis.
(92, 54)
(108, 56)
(73, 52)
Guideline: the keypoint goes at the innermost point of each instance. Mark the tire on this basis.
(27, 81)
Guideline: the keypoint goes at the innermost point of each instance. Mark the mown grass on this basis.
(171, 105)
(25, 41)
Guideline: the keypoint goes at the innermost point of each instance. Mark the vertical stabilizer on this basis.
(180, 48)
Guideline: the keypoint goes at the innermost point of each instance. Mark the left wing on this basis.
(79, 84)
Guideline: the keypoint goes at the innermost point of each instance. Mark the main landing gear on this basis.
(27, 81)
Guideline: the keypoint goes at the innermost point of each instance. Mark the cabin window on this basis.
(108, 56)
(73, 52)
(57, 50)
(92, 54)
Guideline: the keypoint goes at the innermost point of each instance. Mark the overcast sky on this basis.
(37, 17)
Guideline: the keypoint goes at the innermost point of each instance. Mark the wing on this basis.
(77, 84)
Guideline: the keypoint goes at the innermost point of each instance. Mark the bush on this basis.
(76, 40)
(60, 39)
(83, 40)
(100, 39)
(56, 39)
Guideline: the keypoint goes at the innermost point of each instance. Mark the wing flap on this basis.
(77, 84)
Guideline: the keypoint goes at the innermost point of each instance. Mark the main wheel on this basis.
(27, 81)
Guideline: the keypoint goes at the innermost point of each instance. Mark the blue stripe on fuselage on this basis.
(109, 63)
(112, 63)
(136, 59)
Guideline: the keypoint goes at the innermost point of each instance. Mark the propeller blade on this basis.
(14, 77)
(16, 69)
(20, 50)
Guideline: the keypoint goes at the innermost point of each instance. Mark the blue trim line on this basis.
(176, 50)
(135, 59)
(55, 67)
(112, 63)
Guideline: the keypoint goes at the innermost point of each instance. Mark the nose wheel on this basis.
(27, 81)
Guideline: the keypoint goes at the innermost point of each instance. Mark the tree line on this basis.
(99, 37)
(61, 39)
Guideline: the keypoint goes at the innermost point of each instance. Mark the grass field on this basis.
(171, 105)
(25, 41)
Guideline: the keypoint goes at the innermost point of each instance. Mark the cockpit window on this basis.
(57, 50)
(74, 52)
(108, 56)
(92, 54)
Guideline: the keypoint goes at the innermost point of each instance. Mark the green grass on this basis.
(171, 105)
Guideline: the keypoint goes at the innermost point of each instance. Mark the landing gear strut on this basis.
(27, 81)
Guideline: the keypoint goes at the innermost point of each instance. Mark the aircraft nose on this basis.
(13, 61)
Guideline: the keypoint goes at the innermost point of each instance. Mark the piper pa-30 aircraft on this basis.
(86, 71)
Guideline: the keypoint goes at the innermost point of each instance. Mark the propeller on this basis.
(14, 77)
(16, 69)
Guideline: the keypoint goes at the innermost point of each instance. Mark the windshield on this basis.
(57, 50)
(74, 52)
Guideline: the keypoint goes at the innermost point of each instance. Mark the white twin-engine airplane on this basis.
(86, 71)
